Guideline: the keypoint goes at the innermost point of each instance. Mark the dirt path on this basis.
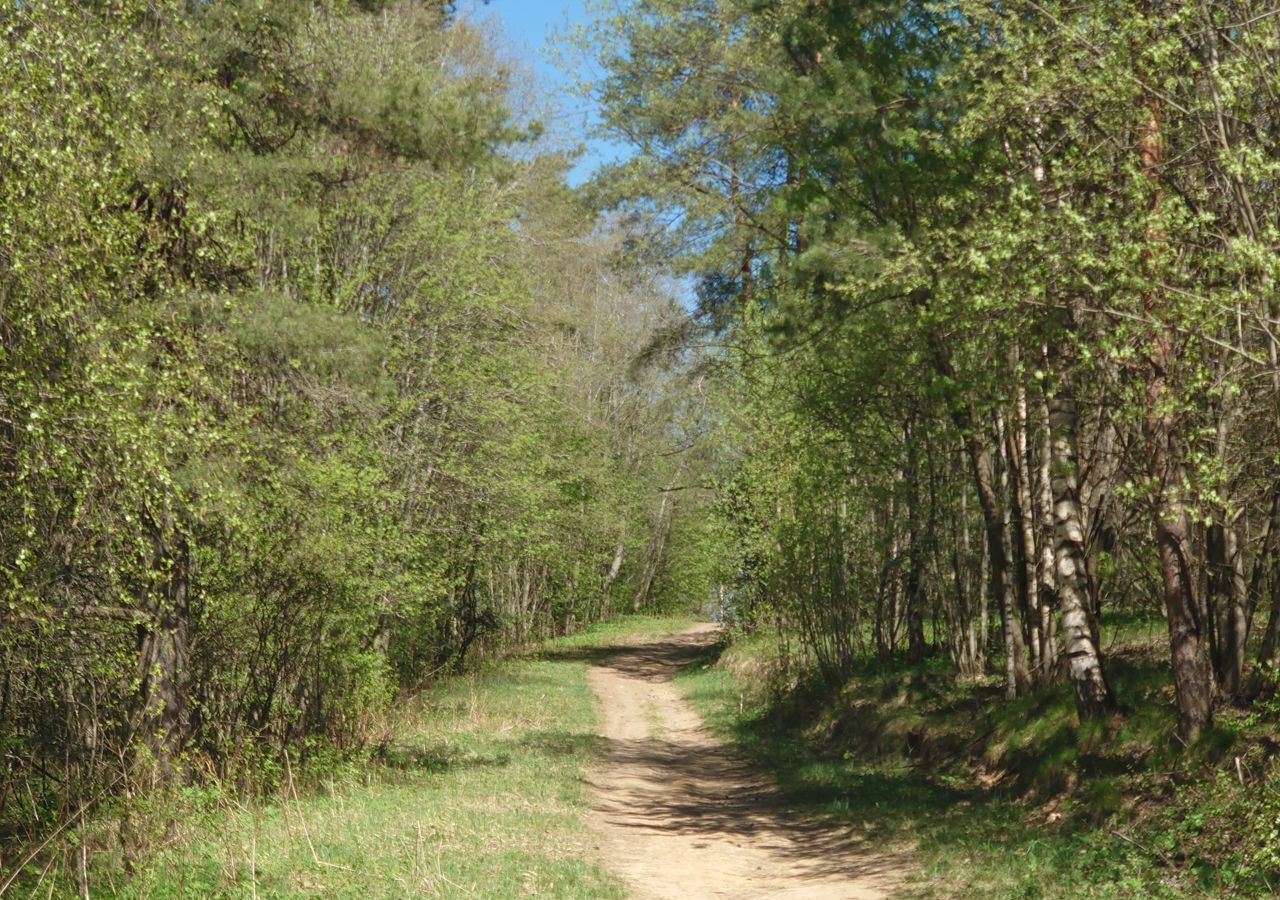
(678, 815)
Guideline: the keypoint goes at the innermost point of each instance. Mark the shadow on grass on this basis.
(883, 800)
(437, 760)
(564, 743)
(894, 761)
(1002, 798)
(590, 654)
(442, 759)
(652, 661)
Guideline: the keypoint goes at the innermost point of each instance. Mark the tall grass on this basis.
(478, 790)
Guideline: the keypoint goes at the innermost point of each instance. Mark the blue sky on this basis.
(535, 29)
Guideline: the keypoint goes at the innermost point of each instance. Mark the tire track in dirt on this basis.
(679, 815)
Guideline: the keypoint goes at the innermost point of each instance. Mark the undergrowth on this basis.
(475, 789)
(1013, 799)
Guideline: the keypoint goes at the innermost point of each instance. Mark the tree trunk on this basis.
(619, 555)
(1025, 533)
(1191, 675)
(889, 584)
(965, 417)
(1262, 559)
(1084, 666)
(163, 652)
(1271, 639)
(1187, 626)
(657, 547)
(915, 564)
(1046, 564)
(1226, 565)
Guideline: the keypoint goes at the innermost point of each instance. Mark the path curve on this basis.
(679, 815)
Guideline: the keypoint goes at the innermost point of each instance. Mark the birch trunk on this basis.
(1084, 666)
(1046, 564)
(1020, 468)
(619, 555)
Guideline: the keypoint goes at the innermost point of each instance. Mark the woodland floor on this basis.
(614, 763)
(576, 770)
(679, 815)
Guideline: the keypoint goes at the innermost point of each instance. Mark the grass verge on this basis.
(999, 799)
(478, 792)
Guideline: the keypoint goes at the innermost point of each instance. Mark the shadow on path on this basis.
(682, 815)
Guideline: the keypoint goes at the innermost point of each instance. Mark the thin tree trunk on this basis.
(915, 564)
(653, 559)
(1020, 469)
(163, 652)
(1017, 679)
(964, 626)
(1046, 588)
(1262, 559)
(1271, 639)
(893, 571)
(619, 555)
(1226, 565)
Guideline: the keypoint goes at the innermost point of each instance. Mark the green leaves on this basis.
(303, 375)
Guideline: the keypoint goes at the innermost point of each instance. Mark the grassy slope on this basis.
(481, 794)
(1014, 799)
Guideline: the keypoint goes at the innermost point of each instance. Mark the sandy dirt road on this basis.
(678, 815)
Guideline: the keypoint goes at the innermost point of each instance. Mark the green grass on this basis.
(479, 793)
(997, 799)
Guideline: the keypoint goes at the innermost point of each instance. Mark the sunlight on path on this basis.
(678, 815)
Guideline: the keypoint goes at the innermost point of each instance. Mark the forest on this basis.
(931, 347)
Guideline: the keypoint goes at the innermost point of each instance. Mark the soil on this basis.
(680, 815)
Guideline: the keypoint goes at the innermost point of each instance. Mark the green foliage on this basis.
(916, 227)
(987, 288)
(291, 417)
